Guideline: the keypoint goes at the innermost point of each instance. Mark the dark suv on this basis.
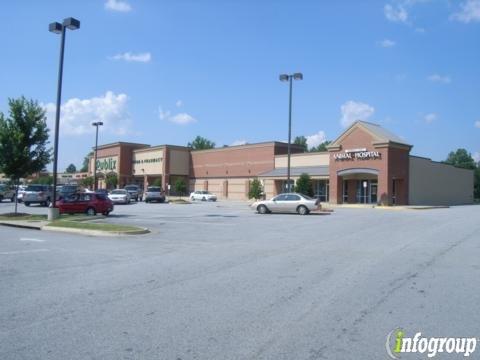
(134, 191)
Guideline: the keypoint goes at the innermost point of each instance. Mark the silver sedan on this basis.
(288, 202)
(119, 196)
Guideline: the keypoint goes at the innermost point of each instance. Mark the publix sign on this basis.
(357, 154)
(107, 164)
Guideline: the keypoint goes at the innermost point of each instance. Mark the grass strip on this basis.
(93, 226)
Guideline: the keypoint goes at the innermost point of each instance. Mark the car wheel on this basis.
(27, 203)
(1, 198)
(262, 209)
(192, 198)
(105, 213)
(12, 199)
(47, 203)
(204, 199)
(302, 210)
(91, 211)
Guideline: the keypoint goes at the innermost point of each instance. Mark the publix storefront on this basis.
(366, 164)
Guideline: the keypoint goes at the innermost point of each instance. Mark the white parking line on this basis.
(31, 239)
(23, 251)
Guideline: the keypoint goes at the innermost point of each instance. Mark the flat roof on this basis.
(120, 143)
(259, 144)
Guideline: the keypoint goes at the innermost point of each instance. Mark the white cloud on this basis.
(476, 156)
(238, 142)
(179, 103)
(469, 11)
(429, 118)
(387, 43)
(77, 115)
(117, 5)
(395, 13)
(354, 110)
(316, 139)
(130, 57)
(163, 114)
(444, 79)
(182, 119)
(477, 124)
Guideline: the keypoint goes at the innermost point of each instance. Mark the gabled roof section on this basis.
(380, 134)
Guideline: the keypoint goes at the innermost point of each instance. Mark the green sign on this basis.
(107, 164)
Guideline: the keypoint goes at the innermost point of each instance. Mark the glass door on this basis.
(373, 192)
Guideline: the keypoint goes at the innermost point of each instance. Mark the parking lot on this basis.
(218, 281)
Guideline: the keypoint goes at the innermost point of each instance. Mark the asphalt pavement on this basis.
(217, 281)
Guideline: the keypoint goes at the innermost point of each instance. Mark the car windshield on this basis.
(131, 187)
(153, 189)
(34, 188)
(101, 196)
(118, 192)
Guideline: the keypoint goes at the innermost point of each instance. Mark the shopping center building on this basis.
(365, 164)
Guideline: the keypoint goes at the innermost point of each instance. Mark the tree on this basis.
(200, 143)
(71, 169)
(302, 141)
(87, 182)
(86, 160)
(180, 187)
(111, 180)
(23, 140)
(321, 147)
(304, 185)
(256, 190)
(461, 158)
(45, 180)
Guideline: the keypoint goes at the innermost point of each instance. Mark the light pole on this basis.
(57, 28)
(96, 124)
(290, 78)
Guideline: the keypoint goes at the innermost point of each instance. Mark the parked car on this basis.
(134, 191)
(88, 203)
(119, 196)
(203, 196)
(21, 192)
(288, 202)
(7, 192)
(103, 191)
(66, 190)
(154, 193)
(38, 194)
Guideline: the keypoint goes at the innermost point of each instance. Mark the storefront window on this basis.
(321, 189)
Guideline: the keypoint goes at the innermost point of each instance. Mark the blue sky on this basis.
(161, 72)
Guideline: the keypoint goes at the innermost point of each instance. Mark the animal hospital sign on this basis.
(357, 154)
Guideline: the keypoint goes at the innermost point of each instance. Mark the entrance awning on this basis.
(354, 171)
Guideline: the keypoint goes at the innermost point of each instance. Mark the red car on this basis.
(88, 203)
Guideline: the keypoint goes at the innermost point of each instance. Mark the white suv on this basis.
(203, 196)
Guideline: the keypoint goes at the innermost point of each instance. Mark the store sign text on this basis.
(357, 154)
(107, 164)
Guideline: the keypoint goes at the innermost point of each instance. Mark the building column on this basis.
(384, 189)
(335, 189)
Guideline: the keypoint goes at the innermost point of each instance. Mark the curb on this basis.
(95, 232)
(22, 226)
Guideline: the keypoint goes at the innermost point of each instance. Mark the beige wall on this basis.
(151, 161)
(301, 160)
(234, 189)
(179, 162)
(433, 183)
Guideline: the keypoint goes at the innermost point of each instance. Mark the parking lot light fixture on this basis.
(96, 124)
(57, 28)
(290, 78)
